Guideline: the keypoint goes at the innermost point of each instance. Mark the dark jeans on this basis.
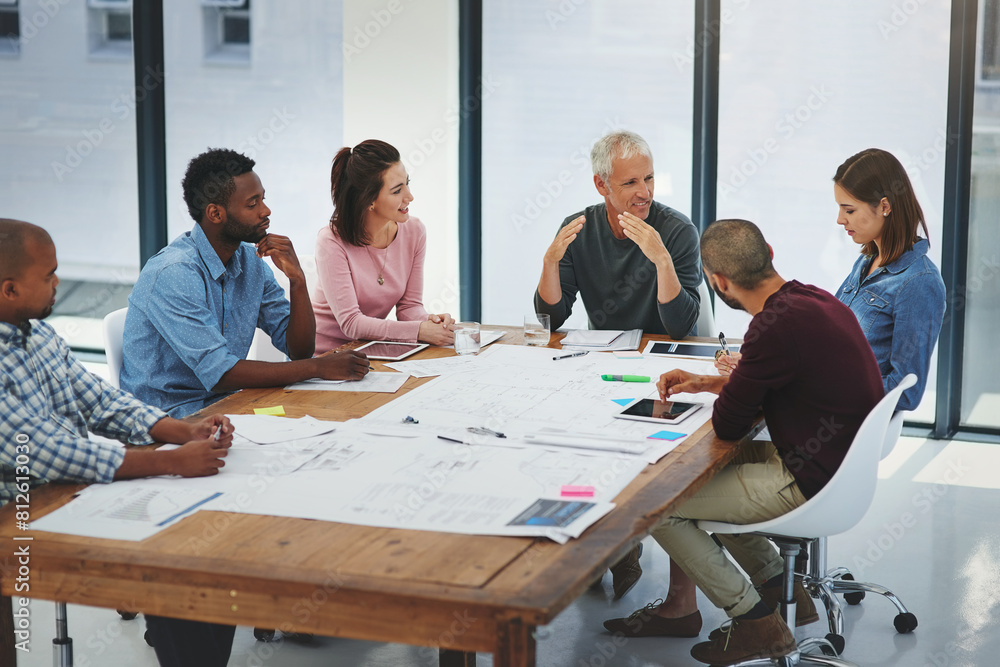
(180, 643)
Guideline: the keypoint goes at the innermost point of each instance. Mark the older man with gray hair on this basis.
(634, 261)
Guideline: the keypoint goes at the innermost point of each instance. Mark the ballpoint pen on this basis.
(455, 440)
(724, 344)
(567, 356)
(482, 430)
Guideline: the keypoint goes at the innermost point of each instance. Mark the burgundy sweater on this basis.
(807, 364)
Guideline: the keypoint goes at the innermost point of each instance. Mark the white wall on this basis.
(401, 86)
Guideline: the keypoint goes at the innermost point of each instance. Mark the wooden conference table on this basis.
(459, 593)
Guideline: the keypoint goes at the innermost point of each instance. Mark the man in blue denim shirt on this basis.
(894, 289)
(191, 319)
(194, 309)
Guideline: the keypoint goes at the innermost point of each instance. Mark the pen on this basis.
(567, 356)
(625, 378)
(482, 430)
(444, 437)
(370, 367)
(218, 433)
(724, 344)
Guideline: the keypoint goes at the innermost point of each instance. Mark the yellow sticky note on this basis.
(277, 410)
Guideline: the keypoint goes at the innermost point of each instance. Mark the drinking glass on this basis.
(467, 337)
(536, 329)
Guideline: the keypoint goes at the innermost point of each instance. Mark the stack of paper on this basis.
(597, 339)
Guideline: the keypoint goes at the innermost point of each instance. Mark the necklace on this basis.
(381, 280)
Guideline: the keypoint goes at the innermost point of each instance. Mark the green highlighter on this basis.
(626, 378)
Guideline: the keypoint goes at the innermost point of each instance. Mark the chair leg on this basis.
(834, 613)
(62, 645)
(824, 583)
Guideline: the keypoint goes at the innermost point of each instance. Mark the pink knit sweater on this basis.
(349, 302)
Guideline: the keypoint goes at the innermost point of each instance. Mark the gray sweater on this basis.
(618, 283)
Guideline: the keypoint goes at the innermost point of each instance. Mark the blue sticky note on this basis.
(665, 435)
(623, 401)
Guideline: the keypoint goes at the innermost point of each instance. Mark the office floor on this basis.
(932, 536)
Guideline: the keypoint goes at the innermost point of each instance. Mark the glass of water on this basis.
(536, 329)
(467, 337)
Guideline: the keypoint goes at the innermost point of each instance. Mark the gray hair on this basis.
(620, 144)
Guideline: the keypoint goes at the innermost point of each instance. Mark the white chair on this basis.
(261, 349)
(824, 583)
(706, 316)
(837, 508)
(114, 327)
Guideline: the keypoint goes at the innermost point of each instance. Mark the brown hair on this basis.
(355, 181)
(736, 249)
(870, 176)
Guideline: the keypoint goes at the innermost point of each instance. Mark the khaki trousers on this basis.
(756, 486)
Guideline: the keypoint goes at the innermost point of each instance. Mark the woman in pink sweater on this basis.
(370, 259)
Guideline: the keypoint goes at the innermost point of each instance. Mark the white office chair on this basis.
(261, 349)
(706, 317)
(837, 508)
(824, 583)
(114, 326)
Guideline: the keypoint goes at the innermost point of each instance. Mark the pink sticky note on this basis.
(574, 491)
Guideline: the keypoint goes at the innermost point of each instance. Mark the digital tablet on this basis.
(685, 349)
(659, 412)
(385, 350)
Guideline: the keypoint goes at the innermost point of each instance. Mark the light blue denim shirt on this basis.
(900, 308)
(190, 319)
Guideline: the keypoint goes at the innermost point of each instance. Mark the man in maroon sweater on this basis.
(807, 365)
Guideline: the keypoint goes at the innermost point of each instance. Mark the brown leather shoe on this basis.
(645, 623)
(766, 637)
(626, 572)
(805, 609)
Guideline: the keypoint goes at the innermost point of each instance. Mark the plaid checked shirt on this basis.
(48, 401)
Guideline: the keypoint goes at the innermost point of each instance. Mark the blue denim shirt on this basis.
(900, 307)
(191, 318)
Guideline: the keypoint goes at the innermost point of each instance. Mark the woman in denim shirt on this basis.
(895, 291)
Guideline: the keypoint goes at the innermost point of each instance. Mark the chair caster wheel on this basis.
(263, 634)
(905, 623)
(127, 615)
(852, 598)
(837, 642)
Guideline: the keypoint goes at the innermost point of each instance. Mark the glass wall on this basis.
(803, 86)
(67, 137)
(981, 305)
(265, 79)
(562, 74)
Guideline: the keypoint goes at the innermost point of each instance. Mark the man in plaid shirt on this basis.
(48, 401)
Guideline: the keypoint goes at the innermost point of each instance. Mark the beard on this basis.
(728, 300)
(235, 231)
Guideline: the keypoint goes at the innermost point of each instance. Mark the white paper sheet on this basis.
(385, 383)
(127, 510)
(268, 429)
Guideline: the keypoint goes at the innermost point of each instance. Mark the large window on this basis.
(69, 159)
(802, 88)
(981, 303)
(282, 106)
(560, 75)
